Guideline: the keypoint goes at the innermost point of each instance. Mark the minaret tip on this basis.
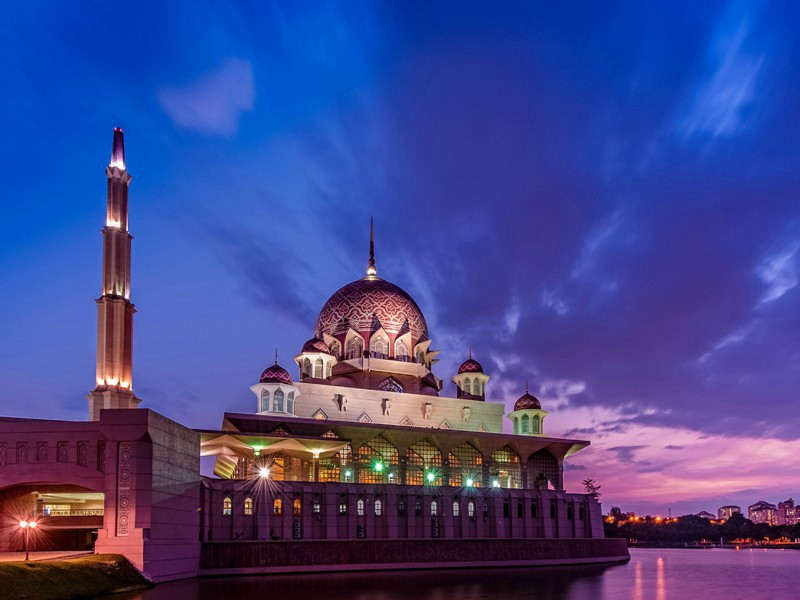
(276, 356)
(118, 150)
(371, 270)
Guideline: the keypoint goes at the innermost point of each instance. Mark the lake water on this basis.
(652, 574)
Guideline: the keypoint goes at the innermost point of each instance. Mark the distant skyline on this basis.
(601, 200)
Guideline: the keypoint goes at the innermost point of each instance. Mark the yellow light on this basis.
(112, 223)
(315, 453)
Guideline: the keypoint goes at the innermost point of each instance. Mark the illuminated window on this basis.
(248, 506)
(360, 507)
(277, 507)
(401, 508)
(377, 458)
(318, 366)
(471, 509)
(390, 384)
(418, 508)
(227, 507)
(543, 467)
(456, 509)
(297, 507)
(401, 351)
(423, 459)
(379, 347)
(342, 507)
(434, 508)
(290, 403)
(264, 401)
(525, 424)
(355, 348)
(505, 468)
(466, 466)
(485, 511)
(467, 386)
(378, 508)
(278, 403)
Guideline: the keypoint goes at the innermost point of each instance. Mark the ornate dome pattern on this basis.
(527, 401)
(359, 303)
(316, 345)
(470, 366)
(276, 374)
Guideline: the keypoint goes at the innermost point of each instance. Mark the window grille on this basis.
(465, 464)
(423, 459)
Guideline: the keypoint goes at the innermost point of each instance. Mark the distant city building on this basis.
(763, 512)
(704, 514)
(787, 513)
(726, 512)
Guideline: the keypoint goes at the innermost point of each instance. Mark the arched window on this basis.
(478, 390)
(534, 510)
(306, 367)
(421, 356)
(423, 464)
(360, 507)
(264, 400)
(278, 403)
(316, 507)
(456, 509)
(570, 512)
(525, 424)
(537, 425)
(516, 425)
(334, 348)
(378, 508)
(552, 510)
(543, 468)
(378, 460)
(418, 508)
(355, 348)
(466, 466)
(297, 507)
(434, 508)
(390, 384)
(467, 386)
(318, 369)
(379, 347)
(248, 507)
(581, 513)
(401, 351)
(328, 370)
(471, 509)
(277, 507)
(401, 508)
(505, 468)
(520, 510)
(290, 403)
(506, 510)
(227, 507)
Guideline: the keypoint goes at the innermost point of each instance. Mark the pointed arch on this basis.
(525, 424)
(264, 401)
(423, 460)
(278, 401)
(319, 369)
(379, 344)
(467, 386)
(390, 384)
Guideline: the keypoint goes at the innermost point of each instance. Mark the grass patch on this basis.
(82, 577)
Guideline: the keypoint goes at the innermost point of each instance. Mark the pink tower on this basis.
(114, 375)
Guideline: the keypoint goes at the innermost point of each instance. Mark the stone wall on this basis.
(289, 556)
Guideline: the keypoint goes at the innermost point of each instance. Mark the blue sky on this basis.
(600, 198)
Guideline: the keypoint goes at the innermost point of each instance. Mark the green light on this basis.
(470, 482)
(379, 466)
(495, 483)
(431, 477)
(348, 474)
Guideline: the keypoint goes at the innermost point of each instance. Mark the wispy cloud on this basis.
(779, 273)
(720, 104)
(214, 102)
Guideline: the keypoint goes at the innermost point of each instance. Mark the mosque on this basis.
(356, 462)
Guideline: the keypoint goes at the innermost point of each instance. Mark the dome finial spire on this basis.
(371, 270)
(276, 356)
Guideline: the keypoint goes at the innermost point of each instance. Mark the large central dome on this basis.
(369, 303)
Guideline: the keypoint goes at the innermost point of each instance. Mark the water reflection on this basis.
(652, 574)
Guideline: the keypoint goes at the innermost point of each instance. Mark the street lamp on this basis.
(263, 472)
(27, 526)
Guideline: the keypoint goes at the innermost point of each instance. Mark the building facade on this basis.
(763, 512)
(362, 446)
(726, 512)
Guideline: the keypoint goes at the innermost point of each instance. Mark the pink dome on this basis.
(275, 374)
(316, 345)
(527, 401)
(359, 303)
(470, 366)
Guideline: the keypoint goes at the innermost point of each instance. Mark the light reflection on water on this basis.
(658, 574)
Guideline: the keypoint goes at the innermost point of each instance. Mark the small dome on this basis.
(316, 345)
(527, 401)
(470, 366)
(275, 374)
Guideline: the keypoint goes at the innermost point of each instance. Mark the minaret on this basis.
(114, 308)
